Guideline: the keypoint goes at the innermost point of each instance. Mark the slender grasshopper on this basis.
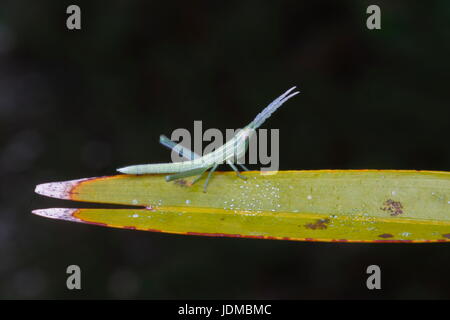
(197, 165)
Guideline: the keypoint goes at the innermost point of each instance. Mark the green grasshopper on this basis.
(197, 165)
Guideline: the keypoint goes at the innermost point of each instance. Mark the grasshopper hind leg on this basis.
(199, 177)
(186, 174)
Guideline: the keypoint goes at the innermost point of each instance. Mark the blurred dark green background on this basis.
(77, 104)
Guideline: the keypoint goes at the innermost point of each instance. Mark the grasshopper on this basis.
(197, 165)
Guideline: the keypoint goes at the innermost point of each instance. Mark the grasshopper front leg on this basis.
(236, 170)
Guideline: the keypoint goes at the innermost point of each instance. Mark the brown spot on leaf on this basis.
(447, 235)
(182, 183)
(320, 224)
(386, 235)
(395, 208)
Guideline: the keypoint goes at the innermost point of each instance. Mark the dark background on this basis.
(77, 104)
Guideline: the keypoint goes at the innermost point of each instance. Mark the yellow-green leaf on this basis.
(322, 205)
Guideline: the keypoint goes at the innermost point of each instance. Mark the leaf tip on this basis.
(57, 213)
(60, 190)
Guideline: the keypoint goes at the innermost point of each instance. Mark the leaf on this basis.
(322, 205)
